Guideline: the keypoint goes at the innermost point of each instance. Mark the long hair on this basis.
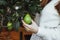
(44, 2)
(58, 7)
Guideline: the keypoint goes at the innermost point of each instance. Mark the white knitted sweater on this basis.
(49, 28)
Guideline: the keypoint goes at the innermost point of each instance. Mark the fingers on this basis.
(27, 29)
(33, 22)
(24, 23)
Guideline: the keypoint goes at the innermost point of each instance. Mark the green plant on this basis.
(14, 10)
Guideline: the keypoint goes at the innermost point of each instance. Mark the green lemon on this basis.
(27, 19)
(9, 25)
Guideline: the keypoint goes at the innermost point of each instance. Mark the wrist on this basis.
(36, 30)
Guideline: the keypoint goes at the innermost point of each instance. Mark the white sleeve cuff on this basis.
(42, 31)
(46, 31)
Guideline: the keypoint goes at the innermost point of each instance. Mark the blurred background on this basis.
(11, 14)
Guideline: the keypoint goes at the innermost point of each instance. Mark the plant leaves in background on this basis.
(9, 26)
(3, 2)
(0, 28)
(17, 9)
(16, 25)
(27, 0)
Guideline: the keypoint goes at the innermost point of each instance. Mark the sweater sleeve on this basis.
(49, 21)
(53, 32)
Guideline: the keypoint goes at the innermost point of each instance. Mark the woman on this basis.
(49, 28)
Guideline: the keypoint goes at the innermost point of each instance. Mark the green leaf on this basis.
(1, 11)
(32, 9)
(16, 25)
(3, 2)
(27, 0)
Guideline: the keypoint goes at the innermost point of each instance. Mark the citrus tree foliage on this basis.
(14, 10)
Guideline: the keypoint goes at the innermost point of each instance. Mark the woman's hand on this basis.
(31, 28)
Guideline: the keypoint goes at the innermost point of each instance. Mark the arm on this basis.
(48, 19)
(47, 31)
(48, 25)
